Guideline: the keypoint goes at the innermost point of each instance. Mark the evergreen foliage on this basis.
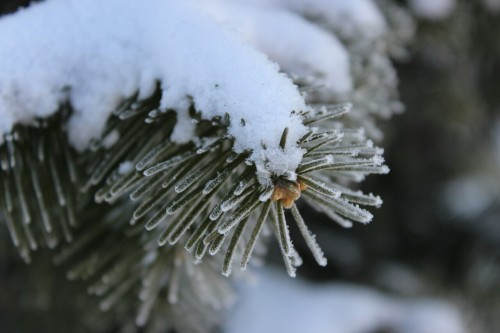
(147, 223)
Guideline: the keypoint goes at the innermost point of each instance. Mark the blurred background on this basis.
(430, 261)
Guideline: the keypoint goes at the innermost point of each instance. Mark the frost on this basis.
(266, 195)
(94, 54)
(309, 238)
(378, 160)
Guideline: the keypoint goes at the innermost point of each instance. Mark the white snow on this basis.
(348, 16)
(280, 304)
(298, 46)
(433, 9)
(95, 53)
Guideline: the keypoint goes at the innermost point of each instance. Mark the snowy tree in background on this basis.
(150, 145)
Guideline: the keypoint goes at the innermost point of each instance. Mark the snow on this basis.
(348, 16)
(432, 9)
(279, 304)
(96, 53)
(298, 46)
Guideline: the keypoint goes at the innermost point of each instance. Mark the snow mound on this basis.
(96, 53)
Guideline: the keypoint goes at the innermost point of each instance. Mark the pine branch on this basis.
(199, 196)
(209, 193)
(40, 184)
